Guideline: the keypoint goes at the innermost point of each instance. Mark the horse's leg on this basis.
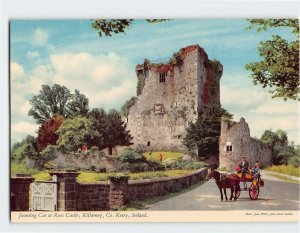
(221, 193)
(231, 196)
(225, 194)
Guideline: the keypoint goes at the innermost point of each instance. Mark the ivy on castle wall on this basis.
(127, 105)
(140, 84)
(215, 76)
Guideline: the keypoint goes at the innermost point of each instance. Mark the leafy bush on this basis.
(48, 154)
(137, 162)
(140, 148)
(132, 156)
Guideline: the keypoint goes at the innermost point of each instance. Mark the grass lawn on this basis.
(22, 169)
(288, 170)
(167, 155)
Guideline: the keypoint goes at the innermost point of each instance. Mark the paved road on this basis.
(276, 195)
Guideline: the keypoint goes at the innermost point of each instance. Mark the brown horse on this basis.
(223, 181)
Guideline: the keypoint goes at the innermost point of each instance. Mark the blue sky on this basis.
(70, 53)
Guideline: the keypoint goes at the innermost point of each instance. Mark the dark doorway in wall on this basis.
(148, 143)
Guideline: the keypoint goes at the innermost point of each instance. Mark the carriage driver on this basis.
(244, 166)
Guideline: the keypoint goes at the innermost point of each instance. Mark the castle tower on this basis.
(171, 95)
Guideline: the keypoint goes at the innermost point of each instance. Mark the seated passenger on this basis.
(256, 173)
(238, 170)
(256, 170)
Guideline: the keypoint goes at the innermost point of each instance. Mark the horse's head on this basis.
(209, 174)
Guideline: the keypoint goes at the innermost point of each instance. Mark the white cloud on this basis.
(261, 111)
(24, 126)
(33, 54)
(278, 107)
(26, 84)
(259, 123)
(239, 97)
(21, 129)
(24, 108)
(40, 37)
(16, 71)
(103, 78)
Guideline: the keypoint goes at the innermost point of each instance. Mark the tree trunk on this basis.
(110, 150)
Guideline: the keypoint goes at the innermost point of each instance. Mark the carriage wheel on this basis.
(254, 192)
(237, 192)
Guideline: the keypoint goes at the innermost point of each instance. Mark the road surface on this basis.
(276, 195)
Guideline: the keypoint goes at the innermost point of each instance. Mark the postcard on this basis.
(154, 120)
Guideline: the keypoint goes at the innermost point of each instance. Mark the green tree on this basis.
(116, 133)
(98, 118)
(25, 148)
(50, 101)
(204, 134)
(285, 154)
(78, 105)
(75, 132)
(57, 100)
(295, 159)
(278, 142)
(108, 27)
(279, 68)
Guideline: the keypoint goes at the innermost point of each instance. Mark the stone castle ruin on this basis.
(171, 95)
(235, 141)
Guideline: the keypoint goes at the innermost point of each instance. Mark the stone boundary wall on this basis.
(19, 192)
(74, 196)
(142, 189)
(92, 196)
(105, 196)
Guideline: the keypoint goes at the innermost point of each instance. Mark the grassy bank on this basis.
(88, 177)
(155, 155)
(22, 168)
(288, 170)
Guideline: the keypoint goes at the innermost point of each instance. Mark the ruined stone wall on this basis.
(163, 110)
(237, 135)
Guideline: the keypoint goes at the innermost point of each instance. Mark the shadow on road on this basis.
(146, 203)
(257, 200)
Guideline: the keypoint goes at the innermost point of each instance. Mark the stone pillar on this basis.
(118, 193)
(66, 189)
(19, 192)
